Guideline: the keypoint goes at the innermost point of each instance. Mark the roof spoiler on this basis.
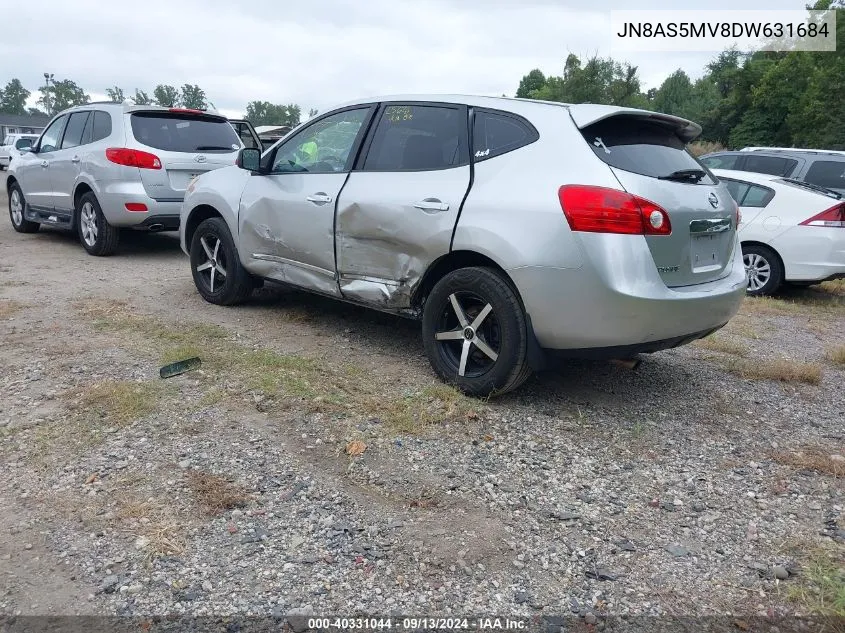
(585, 114)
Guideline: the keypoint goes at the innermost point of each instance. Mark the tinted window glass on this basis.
(182, 132)
(737, 189)
(827, 173)
(245, 135)
(642, 147)
(75, 127)
(323, 147)
(89, 126)
(52, 135)
(494, 133)
(23, 143)
(102, 126)
(720, 162)
(774, 165)
(757, 196)
(412, 137)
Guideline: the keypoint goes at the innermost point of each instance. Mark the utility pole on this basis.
(48, 77)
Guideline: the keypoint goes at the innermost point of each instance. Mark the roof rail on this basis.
(792, 149)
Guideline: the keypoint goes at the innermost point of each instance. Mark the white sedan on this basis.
(791, 231)
(13, 145)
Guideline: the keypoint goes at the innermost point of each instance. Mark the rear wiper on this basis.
(685, 174)
(830, 193)
(208, 148)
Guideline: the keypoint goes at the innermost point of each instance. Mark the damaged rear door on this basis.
(398, 209)
(286, 219)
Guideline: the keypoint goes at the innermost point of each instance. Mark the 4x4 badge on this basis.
(200, 158)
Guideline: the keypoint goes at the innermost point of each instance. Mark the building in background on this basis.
(22, 124)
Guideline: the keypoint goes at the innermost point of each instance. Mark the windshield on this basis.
(181, 132)
(643, 147)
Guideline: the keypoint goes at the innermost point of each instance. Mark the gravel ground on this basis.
(685, 488)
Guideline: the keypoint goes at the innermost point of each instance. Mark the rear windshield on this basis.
(178, 132)
(642, 147)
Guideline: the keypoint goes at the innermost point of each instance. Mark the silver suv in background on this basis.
(822, 168)
(514, 230)
(103, 166)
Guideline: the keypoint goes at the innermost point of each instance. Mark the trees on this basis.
(13, 98)
(115, 93)
(165, 95)
(141, 97)
(193, 97)
(530, 83)
(60, 95)
(266, 113)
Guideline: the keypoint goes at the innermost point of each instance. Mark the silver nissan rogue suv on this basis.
(514, 230)
(102, 166)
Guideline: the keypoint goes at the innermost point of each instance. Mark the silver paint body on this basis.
(51, 180)
(373, 245)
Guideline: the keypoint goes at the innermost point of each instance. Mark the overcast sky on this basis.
(321, 52)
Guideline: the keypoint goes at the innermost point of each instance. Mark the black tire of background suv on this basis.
(238, 284)
(511, 367)
(108, 236)
(25, 226)
(776, 278)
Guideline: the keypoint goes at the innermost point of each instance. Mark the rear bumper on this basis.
(612, 307)
(113, 197)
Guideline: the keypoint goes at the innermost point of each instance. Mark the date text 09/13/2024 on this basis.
(418, 623)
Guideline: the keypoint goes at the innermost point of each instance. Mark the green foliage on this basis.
(534, 80)
(115, 93)
(600, 80)
(60, 95)
(193, 97)
(165, 95)
(13, 98)
(142, 98)
(266, 113)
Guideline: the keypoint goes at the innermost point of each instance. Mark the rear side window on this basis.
(774, 165)
(827, 173)
(102, 126)
(181, 132)
(747, 194)
(728, 161)
(415, 138)
(641, 147)
(495, 133)
(75, 128)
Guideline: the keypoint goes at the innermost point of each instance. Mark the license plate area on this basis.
(706, 253)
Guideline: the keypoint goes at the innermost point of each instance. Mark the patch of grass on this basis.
(179, 352)
(214, 493)
(788, 306)
(9, 307)
(824, 460)
(723, 345)
(779, 369)
(820, 587)
(13, 283)
(119, 401)
(837, 354)
(835, 287)
(416, 411)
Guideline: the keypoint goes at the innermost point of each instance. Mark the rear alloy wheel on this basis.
(474, 332)
(98, 237)
(17, 206)
(218, 274)
(763, 269)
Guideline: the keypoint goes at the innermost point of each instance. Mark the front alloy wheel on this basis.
(17, 205)
(218, 274)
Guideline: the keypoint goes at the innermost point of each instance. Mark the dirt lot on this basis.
(708, 482)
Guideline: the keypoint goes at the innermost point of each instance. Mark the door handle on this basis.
(431, 204)
(319, 198)
(75, 159)
(44, 163)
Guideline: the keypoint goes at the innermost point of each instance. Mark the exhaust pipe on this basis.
(627, 363)
(153, 228)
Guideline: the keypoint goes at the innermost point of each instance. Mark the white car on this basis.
(13, 145)
(791, 231)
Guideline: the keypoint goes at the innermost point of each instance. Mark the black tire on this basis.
(763, 268)
(98, 237)
(503, 331)
(17, 214)
(212, 243)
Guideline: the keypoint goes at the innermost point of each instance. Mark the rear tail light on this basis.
(186, 110)
(133, 158)
(602, 210)
(834, 216)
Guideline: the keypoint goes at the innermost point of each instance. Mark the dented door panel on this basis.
(390, 227)
(286, 226)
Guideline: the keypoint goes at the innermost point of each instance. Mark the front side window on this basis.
(323, 147)
(415, 138)
(727, 161)
(827, 173)
(52, 135)
(75, 128)
(496, 133)
(774, 165)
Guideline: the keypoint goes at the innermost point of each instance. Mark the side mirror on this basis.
(249, 158)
